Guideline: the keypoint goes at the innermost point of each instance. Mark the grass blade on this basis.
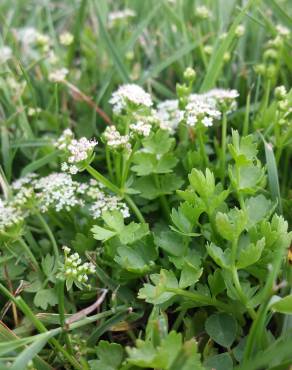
(35, 165)
(273, 175)
(217, 59)
(115, 54)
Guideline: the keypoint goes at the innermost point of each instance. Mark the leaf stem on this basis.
(29, 253)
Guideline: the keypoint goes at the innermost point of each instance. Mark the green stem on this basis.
(200, 298)
(29, 253)
(51, 237)
(134, 208)
(20, 303)
(61, 300)
(109, 162)
(99, 177)
(202, 148)
(162, 199)
(117, 191)
(246, 116)
(223, 147)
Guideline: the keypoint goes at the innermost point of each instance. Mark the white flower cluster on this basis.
(5, 54)
(74, 269)
(59, 75)
(66, 38)
(282, 30)
(201, 110)
(203, 12)
(10, 216)
(59, 192)
(207, 108)
(169, 115)
(103, 202)
(76, 150)
(224, 98)
(142, 126)
(115, 140)
(116, 16)
(130, 94)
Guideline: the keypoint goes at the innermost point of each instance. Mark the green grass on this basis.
(199, 274)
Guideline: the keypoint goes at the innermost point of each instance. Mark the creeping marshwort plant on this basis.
(145, 193)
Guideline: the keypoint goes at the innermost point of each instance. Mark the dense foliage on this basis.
(145, 187)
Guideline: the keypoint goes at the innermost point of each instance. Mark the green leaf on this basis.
(127, 234)
(100, 233)
(139, 258)
(204, 185)
(221, 258)
(157, 293)
(186, 217)
(222, 328)
(189, 276)
(158, 143)
(48, 263)
(171, 242)
(283, 305)
(258, 208)
(243, 150)
(251, 254)
(216, 282)
(149, 189)
(219, 362)
(146, 355)
(110, 356)
(230, 225)
(133, 232)
(273, 175)
(45, 298)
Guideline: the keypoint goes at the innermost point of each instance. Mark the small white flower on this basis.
(240, 30)
(5, 54)
(33, 111)
(124, 14)
(58, 75)
(280, 92)
(282, 30)
(224, 98)
(57, 191)
(208, 49)
(169, 115)
(141, 128)
(66, 38)
(76, 150)
(9, 216)
(203, 12)
(130, 93)
(201, 109)
(66, 249)
(115, 140)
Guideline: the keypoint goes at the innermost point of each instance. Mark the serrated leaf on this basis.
(45, 298)
(48, 263)
(258, 208)
(251, 254)
(230, 225)
(221, 258)
(102, 234)
(110, 356)
(189, 276)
